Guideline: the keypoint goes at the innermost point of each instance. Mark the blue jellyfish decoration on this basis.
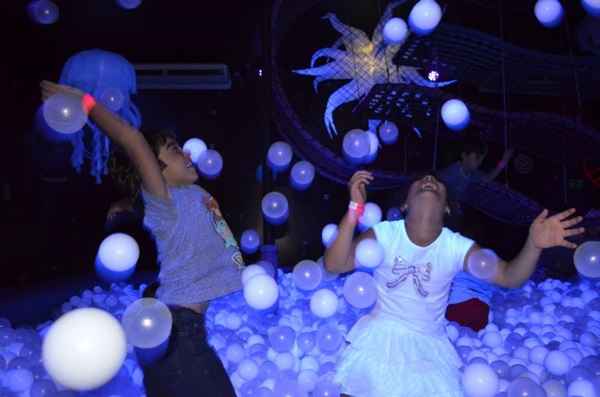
(110, 78)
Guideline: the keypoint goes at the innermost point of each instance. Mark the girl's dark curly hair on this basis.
(122, 169)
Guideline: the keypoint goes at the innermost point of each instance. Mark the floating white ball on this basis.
(425, 17)
(388, 132)
(302, 175)
(210, 164)
(275, 208)
(395, 31)
(279, 156)
(587, 259)
(455, 114)
(329, 234)
(371, 216)
(147, 323)
(549, 12)
(84, 349)
(195, 147)
(119, 252)
(64, 113)
(369, 253)
(250, 241)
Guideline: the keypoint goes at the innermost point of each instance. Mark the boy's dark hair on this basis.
(122, 169)
(473, 145)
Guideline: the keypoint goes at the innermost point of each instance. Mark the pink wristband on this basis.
(88, 102)
(359, 209)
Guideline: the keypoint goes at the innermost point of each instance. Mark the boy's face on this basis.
(179, 168)
(472, 161)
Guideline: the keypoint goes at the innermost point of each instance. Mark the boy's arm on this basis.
(501, 166)
(123, 134)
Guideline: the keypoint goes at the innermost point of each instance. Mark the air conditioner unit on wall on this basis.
(174, 76)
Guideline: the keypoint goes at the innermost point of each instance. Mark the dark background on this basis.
(53, 219)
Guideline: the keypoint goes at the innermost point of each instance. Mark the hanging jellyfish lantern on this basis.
(110, 78)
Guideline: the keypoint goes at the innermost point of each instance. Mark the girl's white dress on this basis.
(401, 349)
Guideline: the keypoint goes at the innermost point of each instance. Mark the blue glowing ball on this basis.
(147, 323)
(592, 7)
(455, 114)
(282, 338)
(44, 12)
(549, 12)
(195, 147)
(129, 4)
(356, 146)
(119, 252)
(587, 259)
(307, 275)
(275, 208)
(425, 17)
(64, 113)
(279, 156)
(250, 241)
(388, 132)
(360, 290)
(261, 292)
(483, 264)
(302, 175)
(210, 164)
(373, 147)
(369, 253)
(393, 214)
(329, 234)
(370, 217)
(395, 31)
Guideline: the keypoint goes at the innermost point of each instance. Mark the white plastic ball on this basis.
(395, 31)
(195, 147)
(84, 349)
(261, 291)
(251, 271)
(480, 380)
(388, 132)
(302, 175)
(425, 17)
(64, 113)
(147, 323)
(592, 7)
(323, 303)
(210, 164)
(371, 216)
(455, 114)
(329, 234)
(549, 12)
(250, 241)
(119, 252)
(557, 363)
(369, 253)
(279, 156)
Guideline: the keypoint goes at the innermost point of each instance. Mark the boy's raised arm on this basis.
(123, 134)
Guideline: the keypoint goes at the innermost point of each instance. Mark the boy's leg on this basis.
(190, 364)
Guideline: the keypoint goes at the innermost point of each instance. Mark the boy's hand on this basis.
(49, 89)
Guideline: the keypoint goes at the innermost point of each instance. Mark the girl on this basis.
(401, 347)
